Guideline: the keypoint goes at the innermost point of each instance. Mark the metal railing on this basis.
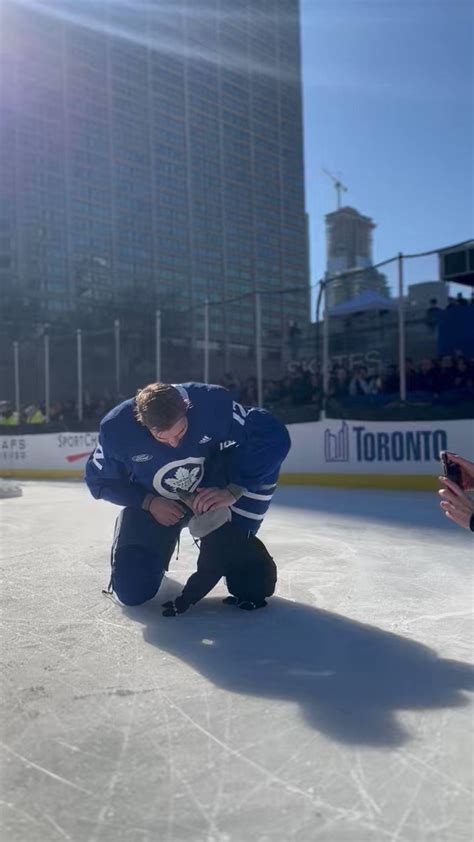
(75, 345)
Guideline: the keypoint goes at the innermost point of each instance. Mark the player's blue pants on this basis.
(142, 548)
(141, 552)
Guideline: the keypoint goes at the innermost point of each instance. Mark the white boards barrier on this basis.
(378, 454)
(331, 452)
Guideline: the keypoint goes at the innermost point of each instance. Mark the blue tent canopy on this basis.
(366, 300)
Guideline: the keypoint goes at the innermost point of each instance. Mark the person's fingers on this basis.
(211, 501)
(211, 505)
(459, 507)
(168, 513)
(454, 515)
(175, 507)
(205, 498)
(461, 519)
(199, 501)
(206, 493)
(460, 495)
(206, 504)
(447, 495)
(197, 506)
(218, 500)
(467, 470)
(459, 511)
(452, 486)
(460, 460)
(224, 502)
(173, 517)
(447, 482)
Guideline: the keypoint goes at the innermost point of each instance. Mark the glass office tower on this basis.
(151, 156)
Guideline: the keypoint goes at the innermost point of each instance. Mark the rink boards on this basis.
(333, 452)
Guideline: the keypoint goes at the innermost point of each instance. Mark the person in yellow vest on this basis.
(8, 418)
(34, 415)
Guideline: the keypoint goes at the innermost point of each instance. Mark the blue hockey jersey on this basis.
(128, 463)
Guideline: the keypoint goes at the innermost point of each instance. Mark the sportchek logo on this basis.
(75, 457)
(80, 444)
(356, 443)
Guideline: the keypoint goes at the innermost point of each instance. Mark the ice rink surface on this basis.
(340, 713)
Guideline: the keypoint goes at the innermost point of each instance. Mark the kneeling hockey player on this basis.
(193, 437)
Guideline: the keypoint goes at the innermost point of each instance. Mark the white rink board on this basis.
(49, 452)
(375, 447)
(330, 447)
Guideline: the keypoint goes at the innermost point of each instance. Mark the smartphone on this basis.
(451, 469)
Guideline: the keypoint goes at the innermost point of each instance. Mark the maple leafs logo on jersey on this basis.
(180, 475)
(183, 479)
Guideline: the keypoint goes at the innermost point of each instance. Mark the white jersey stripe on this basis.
(243, 513)
(254, 496)
(238, 418)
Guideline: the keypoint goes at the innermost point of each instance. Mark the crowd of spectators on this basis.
(64, 414)
(434, 311)
(447, 378)
(428, 380)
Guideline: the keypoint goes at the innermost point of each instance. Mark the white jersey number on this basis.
(98, 457)
(239, 413)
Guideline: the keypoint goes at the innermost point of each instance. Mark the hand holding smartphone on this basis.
(451, 469)
(457, 480)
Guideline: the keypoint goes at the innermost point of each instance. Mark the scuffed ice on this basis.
(340, 713)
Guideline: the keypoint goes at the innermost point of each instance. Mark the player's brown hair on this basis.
(159, 406)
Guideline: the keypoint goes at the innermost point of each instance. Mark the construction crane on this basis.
(339, 186)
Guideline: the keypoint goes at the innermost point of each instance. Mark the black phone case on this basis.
(452, 470)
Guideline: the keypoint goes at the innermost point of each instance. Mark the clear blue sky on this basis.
(388, 105)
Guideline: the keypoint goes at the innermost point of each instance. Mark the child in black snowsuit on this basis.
(243, 559)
